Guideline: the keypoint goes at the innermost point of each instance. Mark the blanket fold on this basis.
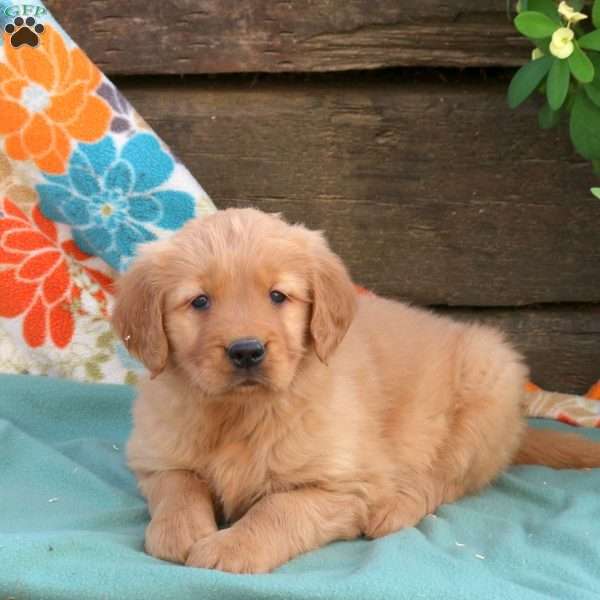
(72, 523)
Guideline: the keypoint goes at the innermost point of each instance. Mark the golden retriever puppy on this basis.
(297, 412)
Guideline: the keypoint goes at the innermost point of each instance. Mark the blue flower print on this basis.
(110, 197)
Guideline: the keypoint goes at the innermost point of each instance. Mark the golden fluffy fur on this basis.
(365, 415)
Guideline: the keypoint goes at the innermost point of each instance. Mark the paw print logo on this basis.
(24, 33)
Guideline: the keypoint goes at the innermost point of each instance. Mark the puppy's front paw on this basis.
(171, 533)
(230, 551)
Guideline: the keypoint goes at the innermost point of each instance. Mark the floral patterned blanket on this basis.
(83, 181)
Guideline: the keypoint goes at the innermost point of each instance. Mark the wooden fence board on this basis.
(561, 344)
(434, 192)
(224, 36)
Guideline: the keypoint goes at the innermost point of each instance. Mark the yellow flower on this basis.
(562, 45)
(569, 13)
(536, 53)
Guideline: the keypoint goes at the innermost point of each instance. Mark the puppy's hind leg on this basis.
(405, 509)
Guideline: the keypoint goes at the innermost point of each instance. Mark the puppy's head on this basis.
(234, 302)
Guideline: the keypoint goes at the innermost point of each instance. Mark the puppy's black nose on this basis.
(246, 353)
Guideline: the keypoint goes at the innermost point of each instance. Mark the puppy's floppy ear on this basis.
(334, 302)
(137, 316)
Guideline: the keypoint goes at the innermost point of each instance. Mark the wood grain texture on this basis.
(561, 344)
(225, 36)
(430, 191)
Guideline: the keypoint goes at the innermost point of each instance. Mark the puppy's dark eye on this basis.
(277, 297)
(201, 302)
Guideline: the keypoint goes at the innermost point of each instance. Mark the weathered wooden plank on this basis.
(561, 345)
(433, 192)
(224, 36)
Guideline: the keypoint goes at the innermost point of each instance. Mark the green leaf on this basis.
(535, 24)
(595, 58)
(527, 79)
(595, 191)
(578, 29)
(585, 127)
(548, 118)
(546, 7)
(581, 66)
(596, 14)
(568, 105)
(557, 85)
(543, 45)
(593, 91)
(576, 4)
(590, 41)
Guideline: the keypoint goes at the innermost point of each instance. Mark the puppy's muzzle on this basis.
(246, 353)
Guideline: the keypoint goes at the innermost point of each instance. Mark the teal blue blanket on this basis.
(72, 523)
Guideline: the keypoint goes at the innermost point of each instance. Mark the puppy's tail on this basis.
(557, 449)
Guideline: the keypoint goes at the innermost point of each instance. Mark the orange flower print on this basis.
(47, 100)
(35, 278)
